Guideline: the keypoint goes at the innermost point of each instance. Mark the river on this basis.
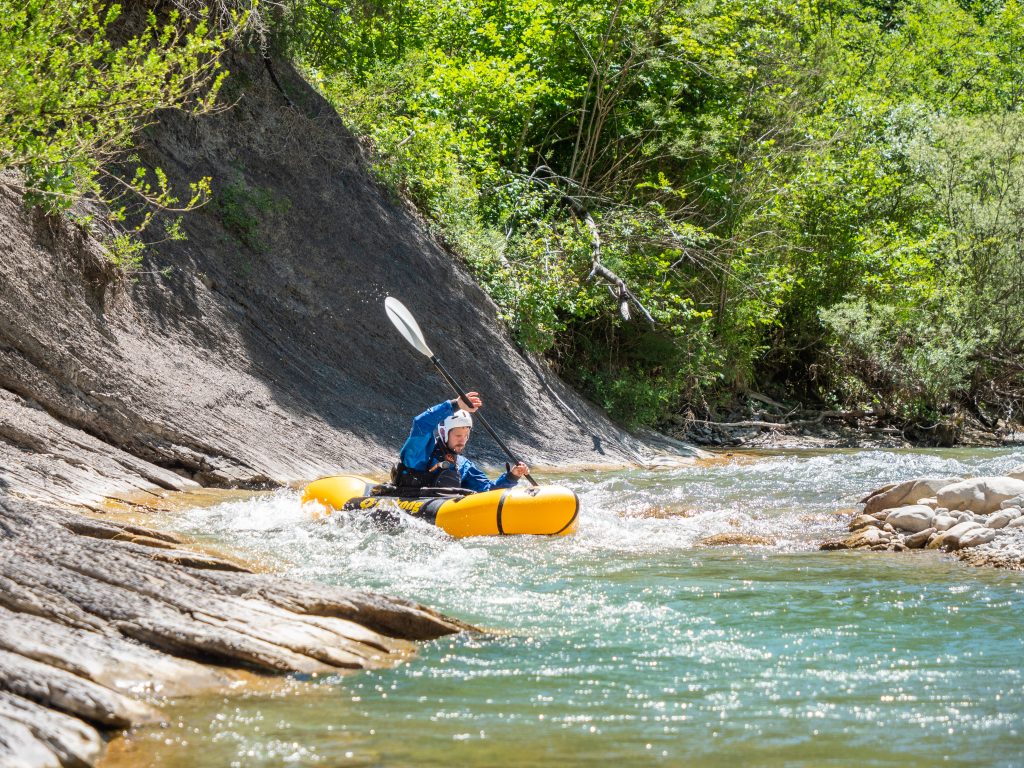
(631, 644)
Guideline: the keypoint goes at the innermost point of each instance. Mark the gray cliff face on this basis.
(257, 350)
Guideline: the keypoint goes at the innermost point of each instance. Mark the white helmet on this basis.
(458, 419)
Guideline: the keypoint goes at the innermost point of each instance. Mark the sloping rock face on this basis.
(258, 349)
(98, 619)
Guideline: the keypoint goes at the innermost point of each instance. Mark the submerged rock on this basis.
(729, 539)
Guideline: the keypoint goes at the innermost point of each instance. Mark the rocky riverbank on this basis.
(99, 621)
(979, 519)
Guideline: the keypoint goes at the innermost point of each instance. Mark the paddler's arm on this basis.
(419, 445)
(474, 479)
(427, 422)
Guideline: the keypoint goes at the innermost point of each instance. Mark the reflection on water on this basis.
(629, 642)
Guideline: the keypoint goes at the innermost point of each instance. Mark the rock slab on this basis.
(93, 625)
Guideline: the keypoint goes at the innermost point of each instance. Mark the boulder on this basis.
(976, 536)
(902, 494)
(913, 518)
(867, 537)
(944, 522)
(999, 519)
(951, 539)
(980, 494)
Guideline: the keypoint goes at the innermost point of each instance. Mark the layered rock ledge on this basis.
(980, 519)
(99, 621)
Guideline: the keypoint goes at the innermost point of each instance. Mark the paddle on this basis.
(407, 326)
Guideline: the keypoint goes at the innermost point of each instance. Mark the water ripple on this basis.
(630, 642)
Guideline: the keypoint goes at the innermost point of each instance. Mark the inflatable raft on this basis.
(543, 510)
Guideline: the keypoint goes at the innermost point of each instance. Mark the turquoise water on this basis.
(631, 643)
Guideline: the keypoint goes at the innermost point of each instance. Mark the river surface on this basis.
(630, 644)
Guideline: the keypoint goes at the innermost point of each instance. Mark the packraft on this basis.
(546, 510)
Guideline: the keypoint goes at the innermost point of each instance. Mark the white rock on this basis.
(951, 539)
(1000, 519)
(981, 494)
(913, 518)
(974, 537)
(931, 501)
(1017, 522)
(963, 517)
(1017, 473)
(1017, 501)
(909, 492)
(944, 522)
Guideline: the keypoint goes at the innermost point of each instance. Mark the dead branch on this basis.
(821, 416)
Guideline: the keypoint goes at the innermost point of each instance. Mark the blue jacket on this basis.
(419, 447)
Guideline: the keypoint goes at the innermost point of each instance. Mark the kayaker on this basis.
(432, 454)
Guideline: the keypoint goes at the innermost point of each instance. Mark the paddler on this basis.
(432, 454)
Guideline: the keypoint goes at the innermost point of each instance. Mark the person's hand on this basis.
(519, 470)
(474, 402)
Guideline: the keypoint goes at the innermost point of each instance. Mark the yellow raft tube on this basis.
(543, 510)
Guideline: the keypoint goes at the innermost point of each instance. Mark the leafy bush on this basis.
(75, 86)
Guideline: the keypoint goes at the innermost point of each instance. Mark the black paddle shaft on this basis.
(465, 398)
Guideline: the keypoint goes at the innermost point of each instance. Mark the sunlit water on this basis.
(630, 643)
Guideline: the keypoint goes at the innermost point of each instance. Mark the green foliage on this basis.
(243, 208)
(903, 361)
(125, 252)
(785, 186)
(75, 86)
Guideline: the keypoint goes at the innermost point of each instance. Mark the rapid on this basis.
(635, 644)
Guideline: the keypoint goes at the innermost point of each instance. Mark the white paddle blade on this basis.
(406, 324)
